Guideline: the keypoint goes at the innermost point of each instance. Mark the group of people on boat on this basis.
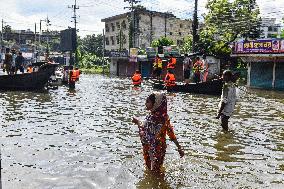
(13, 62)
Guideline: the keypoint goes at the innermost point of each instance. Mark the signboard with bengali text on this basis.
(260, 46)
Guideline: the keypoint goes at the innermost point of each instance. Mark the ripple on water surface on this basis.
(84, 138)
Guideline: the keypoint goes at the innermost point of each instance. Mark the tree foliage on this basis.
(163, 41)
(186, 46)
(91, 44)
(225, 22)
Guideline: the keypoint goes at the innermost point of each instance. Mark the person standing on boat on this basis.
(157, 67)
(187, 66)
(228, 99)
(172, 62)
(78, 73)
(8, 61)
(20, 63)
(13, 66)
(205, 72)
(154, 130)
(198, 68)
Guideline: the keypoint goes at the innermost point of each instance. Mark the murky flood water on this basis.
(85, 139)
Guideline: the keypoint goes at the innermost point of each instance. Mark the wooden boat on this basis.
(28, 81)
(213, 87)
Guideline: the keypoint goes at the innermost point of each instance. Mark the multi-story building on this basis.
(148, 26)
(269, 28)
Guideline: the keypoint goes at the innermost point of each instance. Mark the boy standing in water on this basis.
(228, 99)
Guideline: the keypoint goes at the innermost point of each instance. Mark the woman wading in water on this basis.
(154, 130)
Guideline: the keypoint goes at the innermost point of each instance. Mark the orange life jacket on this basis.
(170, 80)
(172, 63)
(77, 74)
(73, 75)
(136, 79)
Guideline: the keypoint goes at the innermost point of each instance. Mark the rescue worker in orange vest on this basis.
(78, 72)
(172, 62)
(72, 78)
(157, 67)
(136, 78)
(30, 69)
(170, 80)
(198, 68)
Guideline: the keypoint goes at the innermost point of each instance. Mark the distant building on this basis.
(270, 29)
(149, 26)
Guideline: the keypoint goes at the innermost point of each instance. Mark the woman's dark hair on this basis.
(152, 98)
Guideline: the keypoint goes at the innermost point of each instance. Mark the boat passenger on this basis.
(8, 61)
(157, 67)
(170, 79)
(136, 78)
(198, 68)
(228, 99)
(30, 69)
(153, 132)
(172, 62)
(20, 63)
(187, 66)
(205, 72)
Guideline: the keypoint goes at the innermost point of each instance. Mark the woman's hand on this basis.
(135, 120)
(181, 152)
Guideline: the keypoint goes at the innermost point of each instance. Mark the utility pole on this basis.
(35, 32)
(151, 27)
(132, 8)
(2, 31)
(75, 8)
(194, 28)
(166, 15)
(47, 37)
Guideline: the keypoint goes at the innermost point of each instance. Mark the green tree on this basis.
(225, 22)
(91, 44)
(186, 46)
(163, 41)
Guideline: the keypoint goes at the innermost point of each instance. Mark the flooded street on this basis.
(85, 139)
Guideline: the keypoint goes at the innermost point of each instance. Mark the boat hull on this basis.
(28, 81)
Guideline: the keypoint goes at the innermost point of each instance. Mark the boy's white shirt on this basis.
(229, 97)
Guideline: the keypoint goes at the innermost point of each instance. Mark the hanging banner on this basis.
(133, 54)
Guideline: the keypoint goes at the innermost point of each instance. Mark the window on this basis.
(269, 28)
(180, 25)
(171, 33)
(118, 25)
(179, 33)
(123, 24)
(275, 29)
(107, 41)
(112, 40)
(117, 39)
(107, 28)
(123, 38)
(112, 27)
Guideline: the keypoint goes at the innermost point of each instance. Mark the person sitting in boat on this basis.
(50, 61)
(170, 79)
(136, 78)
(157, 67)
(228, 99)
(172, 62)
(198, 68)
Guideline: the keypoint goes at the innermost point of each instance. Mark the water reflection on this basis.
(151, 180)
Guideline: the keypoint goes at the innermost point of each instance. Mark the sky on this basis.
(23, 14)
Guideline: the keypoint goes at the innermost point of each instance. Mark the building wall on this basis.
(269, 28)
(176, 29)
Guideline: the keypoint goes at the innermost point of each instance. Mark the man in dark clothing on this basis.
(8, 61)
(20, 63)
